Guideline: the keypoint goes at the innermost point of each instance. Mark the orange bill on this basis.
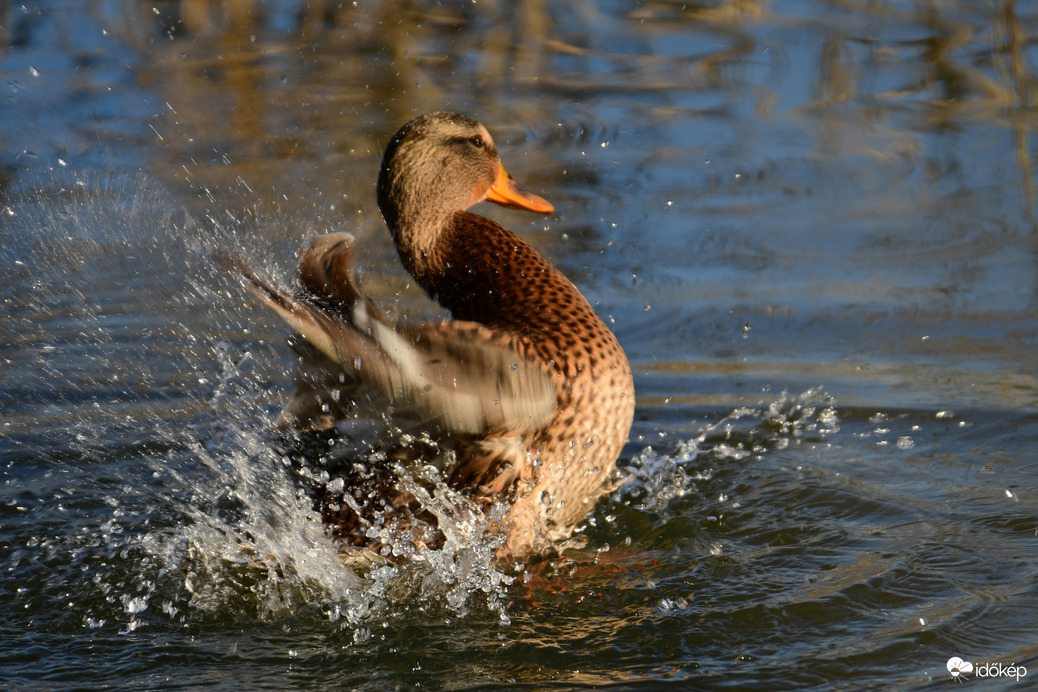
(508, 193)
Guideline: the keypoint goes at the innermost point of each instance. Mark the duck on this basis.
(525, 384)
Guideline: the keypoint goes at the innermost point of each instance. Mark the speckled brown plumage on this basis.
(527, 383)
(511, 288)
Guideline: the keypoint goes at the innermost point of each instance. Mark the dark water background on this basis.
(810, 223)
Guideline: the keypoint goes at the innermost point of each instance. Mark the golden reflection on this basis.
(261, 95)
(1011, 37)
(247, 98)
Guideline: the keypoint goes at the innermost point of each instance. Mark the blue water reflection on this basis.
(811, 225)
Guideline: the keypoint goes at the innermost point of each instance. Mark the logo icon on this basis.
(959, 668)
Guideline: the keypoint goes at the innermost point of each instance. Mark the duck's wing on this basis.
(480, 380)
(459, 375)
(324, 273)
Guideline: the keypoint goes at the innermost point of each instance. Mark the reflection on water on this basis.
(811, 225)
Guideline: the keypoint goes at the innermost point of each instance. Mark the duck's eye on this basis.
(477, 141)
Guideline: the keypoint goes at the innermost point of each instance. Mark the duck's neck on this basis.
(416, 222)
(416, 240)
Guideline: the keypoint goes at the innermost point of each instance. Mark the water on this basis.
(811, 225)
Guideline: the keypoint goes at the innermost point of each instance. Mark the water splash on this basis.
(175, 504)
(253, 544)
(655, 480)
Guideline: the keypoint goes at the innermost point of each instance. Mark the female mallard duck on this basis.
(526, 383)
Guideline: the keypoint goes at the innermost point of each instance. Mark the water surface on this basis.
(811, 225)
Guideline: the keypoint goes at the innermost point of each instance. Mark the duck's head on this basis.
(439, 164)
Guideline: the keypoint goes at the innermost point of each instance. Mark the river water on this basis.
(811, 225)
